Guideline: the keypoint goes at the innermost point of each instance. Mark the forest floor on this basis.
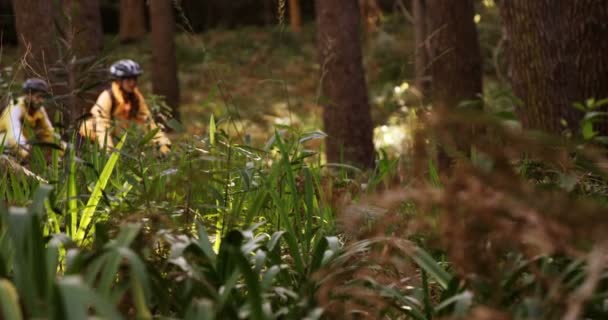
(261, 77)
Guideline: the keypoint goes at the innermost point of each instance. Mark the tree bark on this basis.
(132, 20)
(35, 29)
(86, 26)
(421, 56)
(557, 53)
(84, 36)
(295, 16)
(164, 64)
(7, 24)
(346, 114)
(456, 66)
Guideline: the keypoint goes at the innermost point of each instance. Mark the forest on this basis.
(303, 159)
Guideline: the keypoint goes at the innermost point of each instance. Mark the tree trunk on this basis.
(7, 23)
(346, 114)
(456, 61)
(164, 63)
(132, 20)
(295, 16)
(86, 26)
(35, 29)
(36, 33)
(557, 52)
(456, 67)
(420, 39)
(84, 36)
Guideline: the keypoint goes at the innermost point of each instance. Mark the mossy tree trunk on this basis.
(557, 51)
(346, 115)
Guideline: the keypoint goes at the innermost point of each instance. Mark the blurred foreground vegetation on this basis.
(246, 220)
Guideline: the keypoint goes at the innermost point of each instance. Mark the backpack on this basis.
(114, 102)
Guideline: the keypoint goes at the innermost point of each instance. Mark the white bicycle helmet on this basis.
(125, 69)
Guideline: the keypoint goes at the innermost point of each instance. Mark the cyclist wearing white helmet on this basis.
(121, 105)
(25, 118)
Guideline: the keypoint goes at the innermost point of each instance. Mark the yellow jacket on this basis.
(17, 125)
(104, 113)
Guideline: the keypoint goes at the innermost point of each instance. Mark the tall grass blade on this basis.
(89, 210)
(432, 267)
(212, 130)
(72, 196)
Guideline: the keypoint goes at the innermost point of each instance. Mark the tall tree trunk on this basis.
(421, 56)
(557, 52)
(295, 16)
(456, 60)
(86, 26)
(34, 21)
(132, 20)
(164, 64)
(346, 114)
(84, 36)
(36, 33)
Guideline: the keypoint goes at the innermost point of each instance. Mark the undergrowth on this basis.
(516, 231)
(228, 227)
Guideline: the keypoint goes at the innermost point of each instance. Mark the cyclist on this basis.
(25, 119)
(120, 106)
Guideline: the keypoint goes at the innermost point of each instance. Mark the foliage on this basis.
(229, 228)
(499, 236)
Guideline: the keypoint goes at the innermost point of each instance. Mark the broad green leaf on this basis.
(37, 206)
(314, 135)
(274, 240)
(580, 106)
(587, 130)
(29, 258)
(432, 267)
(205, 244)
(148, 137)
(201, 310)
(9, 301)
(595, 115)
(462, 302)
(77, 297)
